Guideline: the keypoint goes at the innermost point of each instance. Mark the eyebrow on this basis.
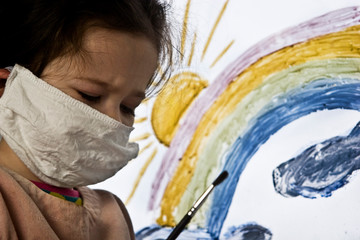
(93, 80)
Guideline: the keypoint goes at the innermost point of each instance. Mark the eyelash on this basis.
(89, 98)
(95, 99)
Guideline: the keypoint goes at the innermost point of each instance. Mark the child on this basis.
(79, 70)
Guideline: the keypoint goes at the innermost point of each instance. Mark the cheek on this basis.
(67, 90)
(127, 120)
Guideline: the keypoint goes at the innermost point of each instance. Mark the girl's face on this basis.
(110, 76)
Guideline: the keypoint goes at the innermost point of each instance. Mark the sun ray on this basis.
(184, 29)
(214, 28)
(141, 137)
(145, 101)
(141, 120)
(192, 49)
(222, 53)
(146, 147)
(140, 175)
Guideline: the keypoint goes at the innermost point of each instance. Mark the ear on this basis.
(4, 74)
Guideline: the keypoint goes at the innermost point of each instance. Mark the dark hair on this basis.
(35, 32)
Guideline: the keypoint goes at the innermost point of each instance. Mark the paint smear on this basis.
(320, 169)
(250, 231)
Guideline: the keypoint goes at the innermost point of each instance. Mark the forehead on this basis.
(116, 54)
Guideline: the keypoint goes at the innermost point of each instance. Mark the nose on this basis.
(111, 110)
(115, 113)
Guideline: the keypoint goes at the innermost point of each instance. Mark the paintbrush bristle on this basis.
(220, 178)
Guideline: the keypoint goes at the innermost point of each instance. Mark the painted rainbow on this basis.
(307, 68)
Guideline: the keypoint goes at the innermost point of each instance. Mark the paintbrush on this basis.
(186, 219)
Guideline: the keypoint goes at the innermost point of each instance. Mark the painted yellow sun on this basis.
(170, 106)
(172, 102)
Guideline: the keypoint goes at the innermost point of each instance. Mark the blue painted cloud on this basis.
(251, 231)
(320, 169)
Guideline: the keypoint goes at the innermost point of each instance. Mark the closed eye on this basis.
(88, 97)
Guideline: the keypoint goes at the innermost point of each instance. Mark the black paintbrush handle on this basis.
(186, 219)
(179, 228)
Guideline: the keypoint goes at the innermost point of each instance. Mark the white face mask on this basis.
(63, 141)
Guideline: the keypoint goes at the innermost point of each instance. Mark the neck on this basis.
(10, 160)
